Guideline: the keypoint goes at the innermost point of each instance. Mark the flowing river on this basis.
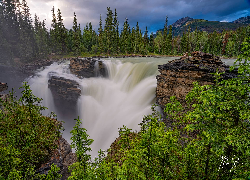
(106, 104)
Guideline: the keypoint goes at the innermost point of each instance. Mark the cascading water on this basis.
(105, 104)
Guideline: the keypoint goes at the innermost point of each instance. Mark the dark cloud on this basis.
(147, 12)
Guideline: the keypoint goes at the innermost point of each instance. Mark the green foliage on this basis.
(53, 173)
(27, 136)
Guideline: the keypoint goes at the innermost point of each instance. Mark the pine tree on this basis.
(53, 33)
(145, 41)
(100, 37)
(125, 37)
(61, 34)
(109, 29)
(151, 43)
(116, 33)
(165, 37)
(76, 37)
(138, 39)
(170, 38)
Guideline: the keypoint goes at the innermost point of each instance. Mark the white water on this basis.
(106, 104)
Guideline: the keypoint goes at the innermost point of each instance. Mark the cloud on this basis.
(147, 12)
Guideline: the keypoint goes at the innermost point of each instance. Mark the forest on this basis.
(25, 40)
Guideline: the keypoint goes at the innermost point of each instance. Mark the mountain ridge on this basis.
(183, 24)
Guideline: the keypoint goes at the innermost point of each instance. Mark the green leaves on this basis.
(81, 142)
(26, 131)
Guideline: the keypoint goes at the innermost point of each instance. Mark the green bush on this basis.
(27, 137)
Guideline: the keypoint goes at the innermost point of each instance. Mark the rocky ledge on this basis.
(64, 91)
(176, 77)
(87, 67)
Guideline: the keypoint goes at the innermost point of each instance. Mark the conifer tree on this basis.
(138, 39)
(124, 40)
(151, 43)
(100, 37)
(76, 37)
(53, 33)
(165, 37)
(169, 40)
(61, 34)
(109, 29)
(116, 33)
(145, 41)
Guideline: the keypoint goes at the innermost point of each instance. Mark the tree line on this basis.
(25, 40)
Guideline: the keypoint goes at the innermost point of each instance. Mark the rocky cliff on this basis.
(176, 77)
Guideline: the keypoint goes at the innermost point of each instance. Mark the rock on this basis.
(30, 68)
(64, 89)
(62, 157)
(86, 67)
(176, 77)
(3, 86)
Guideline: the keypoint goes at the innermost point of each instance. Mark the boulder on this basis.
(87, 67)
(64, 89)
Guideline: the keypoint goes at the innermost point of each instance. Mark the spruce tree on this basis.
(100, 37)
(76, 37)
(124, 39)
(109, 29)
(165, 37)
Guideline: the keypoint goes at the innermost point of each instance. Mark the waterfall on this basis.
(106, 104)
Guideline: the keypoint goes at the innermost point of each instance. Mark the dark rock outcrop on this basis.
(64, 89)
(62, 157)
(85, 67)
(176, 77)
(3, 87)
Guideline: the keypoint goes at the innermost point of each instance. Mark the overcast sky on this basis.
(150, 13)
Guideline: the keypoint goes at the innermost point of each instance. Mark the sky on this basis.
(150, 13)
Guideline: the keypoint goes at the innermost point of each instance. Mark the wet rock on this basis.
(3, 86)
(64, 89)
(86, 67)
(62, 157)
(176, 77)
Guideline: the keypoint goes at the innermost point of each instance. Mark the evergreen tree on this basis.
(109, 30)
(124, 39)
(151, 43)
(116, 33)
(100, 37)
(53, 33)
(76, 37)
(138, 39)
(61, 34)
(165, 37)
(145, 41)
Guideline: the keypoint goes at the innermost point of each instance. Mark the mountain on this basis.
(183, 24)
(242, 20)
